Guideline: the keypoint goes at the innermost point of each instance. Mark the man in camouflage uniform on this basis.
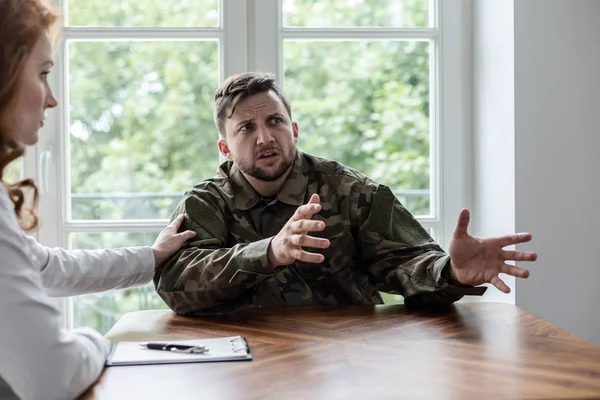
(277, 227)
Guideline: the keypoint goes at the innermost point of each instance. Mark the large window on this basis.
(136, 82)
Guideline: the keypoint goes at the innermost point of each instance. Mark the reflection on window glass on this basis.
(366, 105)
(12, 172)
(146, 13)
(355, 13)
(100, 311)
(141, 126)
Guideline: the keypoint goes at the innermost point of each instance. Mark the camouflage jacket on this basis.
(376, 245)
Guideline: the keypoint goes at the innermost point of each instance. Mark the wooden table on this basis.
(471, 350)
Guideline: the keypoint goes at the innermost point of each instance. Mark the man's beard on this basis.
(262, 175)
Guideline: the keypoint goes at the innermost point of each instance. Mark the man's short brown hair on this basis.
(239, 87)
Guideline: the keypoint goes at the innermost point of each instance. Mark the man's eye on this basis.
(276, 120)
(246, 128)
(44, 75)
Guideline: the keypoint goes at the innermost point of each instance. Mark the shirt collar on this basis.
(292, 192)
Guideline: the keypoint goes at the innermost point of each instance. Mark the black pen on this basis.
(176, 348)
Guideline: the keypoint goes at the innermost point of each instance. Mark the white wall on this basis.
(536, 131)
(493, 125)
(557, 158)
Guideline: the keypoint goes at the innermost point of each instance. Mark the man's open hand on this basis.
(474, 261)
(286, 246)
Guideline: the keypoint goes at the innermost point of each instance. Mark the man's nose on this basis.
(264, 136)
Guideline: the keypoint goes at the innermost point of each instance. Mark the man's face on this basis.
(260, 138)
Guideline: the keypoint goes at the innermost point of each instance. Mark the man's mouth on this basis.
(268, 155)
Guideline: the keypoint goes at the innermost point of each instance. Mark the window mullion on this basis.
(454, 116)
(266, 39)
(234, 46)
(47, 166)
(116, 226)
(360, 33)
(158, 33)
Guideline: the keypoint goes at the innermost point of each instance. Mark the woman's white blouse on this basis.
(38, 359)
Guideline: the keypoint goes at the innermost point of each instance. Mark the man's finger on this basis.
(314, 199)
(519, 255)
(462, 224)
(310, 241)
(517, 238)
(305, 256)
(514, 271)
(306, 211)
(307, 225)
(500, 285)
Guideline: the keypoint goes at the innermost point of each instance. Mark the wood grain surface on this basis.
(467, 351)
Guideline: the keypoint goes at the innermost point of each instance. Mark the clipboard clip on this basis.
(239, 344)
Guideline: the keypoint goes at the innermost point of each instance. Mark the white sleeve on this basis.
(38, 359)
(75, 272)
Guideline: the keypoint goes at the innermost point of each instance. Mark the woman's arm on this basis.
(75, 272)
(39, 359)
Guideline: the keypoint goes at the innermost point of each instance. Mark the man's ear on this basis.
(224, 149)
(295, 130)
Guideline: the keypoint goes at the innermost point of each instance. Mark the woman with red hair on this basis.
(38, 359)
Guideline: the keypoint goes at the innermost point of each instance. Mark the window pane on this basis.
(147, 13)
(366, 104)
(356, 13)
(141, 126)
(100, 311)
(12, 172)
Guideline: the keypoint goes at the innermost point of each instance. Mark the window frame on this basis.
(450, 127)
(243, 24)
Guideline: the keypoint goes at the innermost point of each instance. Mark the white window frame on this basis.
(450, 124)
(244, 23)
(51, 159)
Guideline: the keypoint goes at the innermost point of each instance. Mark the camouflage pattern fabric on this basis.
(376, 245)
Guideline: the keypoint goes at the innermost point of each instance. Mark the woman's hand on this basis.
(169, 241)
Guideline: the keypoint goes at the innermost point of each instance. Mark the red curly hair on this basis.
(21, 24)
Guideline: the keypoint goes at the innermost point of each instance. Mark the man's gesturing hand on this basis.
(474, 260)
(286, 246)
